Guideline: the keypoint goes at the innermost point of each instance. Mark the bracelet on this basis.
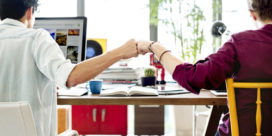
(163, 54)
(149, 47)
(137, 47)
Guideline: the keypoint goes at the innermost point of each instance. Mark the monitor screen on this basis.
(69, 33)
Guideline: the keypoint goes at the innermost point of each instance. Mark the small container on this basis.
(148, 81)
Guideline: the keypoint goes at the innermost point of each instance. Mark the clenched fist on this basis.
(129, 49)
(143, 47)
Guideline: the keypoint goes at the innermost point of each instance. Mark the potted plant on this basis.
(149, 78)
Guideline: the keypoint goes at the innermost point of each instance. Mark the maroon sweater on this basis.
(247, 57)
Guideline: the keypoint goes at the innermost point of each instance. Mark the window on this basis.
(57, 8)
(120, 20)
(236, 16)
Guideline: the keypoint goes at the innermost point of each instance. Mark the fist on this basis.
(143, 47)
(129, 49)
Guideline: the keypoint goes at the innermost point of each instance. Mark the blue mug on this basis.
(95, 86)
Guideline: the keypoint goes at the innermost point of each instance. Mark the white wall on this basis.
(119, 21)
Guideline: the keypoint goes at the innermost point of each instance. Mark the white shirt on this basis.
(32, 64)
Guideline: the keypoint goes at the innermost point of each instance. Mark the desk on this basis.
(204, 98)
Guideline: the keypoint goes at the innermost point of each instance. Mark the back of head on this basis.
(262, 7)
(16, 9)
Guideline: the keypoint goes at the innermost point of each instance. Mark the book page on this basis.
(115, 91)
(72, 92)
(137, 90)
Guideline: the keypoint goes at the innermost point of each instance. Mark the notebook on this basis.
(219, 92)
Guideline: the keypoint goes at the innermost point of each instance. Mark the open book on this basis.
(72, 92)
(126, 91)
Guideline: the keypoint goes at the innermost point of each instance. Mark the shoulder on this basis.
(35, 34)
(240, 38)
(248, 38)
(42, 39)
(42, 36)
(41, 33)
(245, 35)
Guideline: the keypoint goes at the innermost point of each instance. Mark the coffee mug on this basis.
(95, 86)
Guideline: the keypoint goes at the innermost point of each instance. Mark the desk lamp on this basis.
(219, 28)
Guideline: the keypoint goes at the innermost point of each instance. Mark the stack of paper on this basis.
(119, 75)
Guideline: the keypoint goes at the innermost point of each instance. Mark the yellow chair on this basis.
(232, 103)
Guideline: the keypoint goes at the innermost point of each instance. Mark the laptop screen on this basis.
(69, 33)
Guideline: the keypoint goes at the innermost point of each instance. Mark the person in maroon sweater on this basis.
(246, 57)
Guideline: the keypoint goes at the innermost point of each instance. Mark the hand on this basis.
(143, 47)
(129, 49)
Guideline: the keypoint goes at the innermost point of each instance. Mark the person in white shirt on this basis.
(32, 64)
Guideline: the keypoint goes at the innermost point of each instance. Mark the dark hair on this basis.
(262, 7)
(16, 9)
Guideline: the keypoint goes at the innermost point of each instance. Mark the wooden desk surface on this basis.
(204, 98)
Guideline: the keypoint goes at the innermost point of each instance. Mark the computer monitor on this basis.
(69, 33)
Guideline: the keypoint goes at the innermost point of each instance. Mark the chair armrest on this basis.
(69, 133)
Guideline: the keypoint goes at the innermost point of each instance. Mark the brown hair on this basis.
(262, 7)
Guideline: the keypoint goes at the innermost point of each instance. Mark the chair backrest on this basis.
(232, 103)
(16, 119)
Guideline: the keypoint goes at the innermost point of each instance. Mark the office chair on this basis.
(16, 119)
(232, 103)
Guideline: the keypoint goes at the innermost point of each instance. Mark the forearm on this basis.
(168, 61)
(90, 68)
